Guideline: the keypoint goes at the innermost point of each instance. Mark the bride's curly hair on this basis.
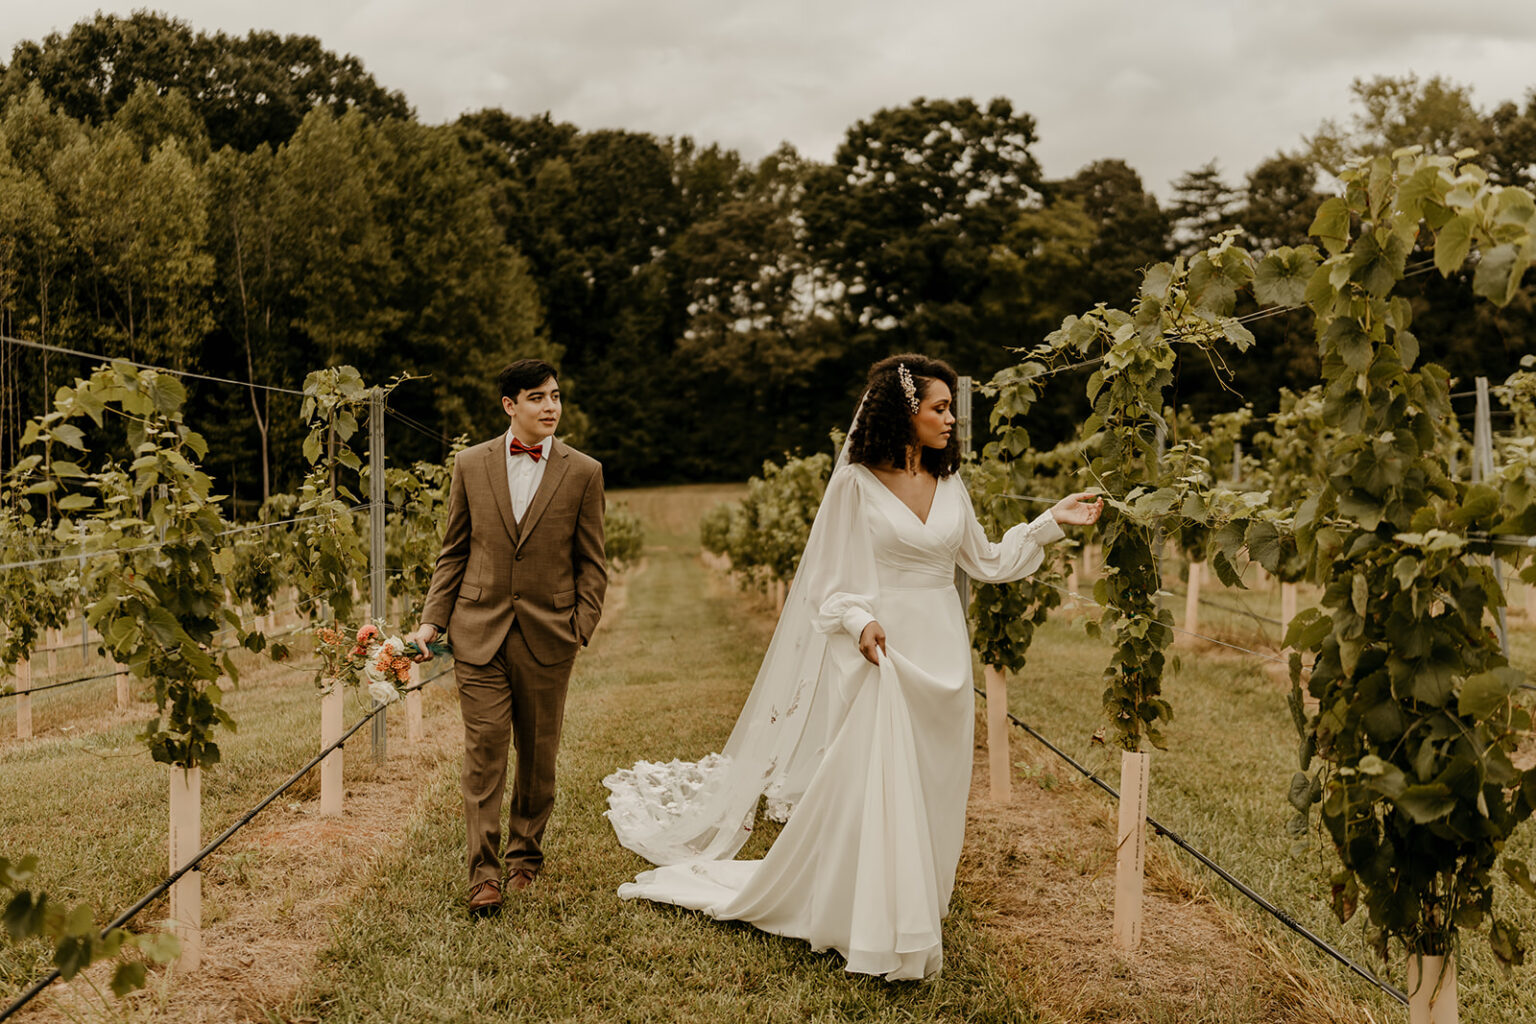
(883, 430)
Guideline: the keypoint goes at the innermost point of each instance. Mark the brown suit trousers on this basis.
(517, 599)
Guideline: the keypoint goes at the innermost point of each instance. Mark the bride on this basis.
(861, 717)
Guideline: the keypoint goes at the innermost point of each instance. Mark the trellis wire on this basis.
(156, 545)
(145, 366)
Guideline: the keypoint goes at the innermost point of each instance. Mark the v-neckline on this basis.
(932, 500)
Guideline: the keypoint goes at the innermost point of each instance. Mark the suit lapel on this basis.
(496, 472)
(558, 455)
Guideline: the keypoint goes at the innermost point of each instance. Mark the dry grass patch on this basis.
(1040, 871)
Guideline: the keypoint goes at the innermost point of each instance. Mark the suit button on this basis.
(519, 556)
(517, 597)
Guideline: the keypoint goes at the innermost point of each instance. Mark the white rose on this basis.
(383, 693)
(395, 646)
(374, 674)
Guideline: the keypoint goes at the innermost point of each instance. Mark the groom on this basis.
(518, 588)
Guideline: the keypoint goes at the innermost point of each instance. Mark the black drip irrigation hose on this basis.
(38, 986)
(1221, 872)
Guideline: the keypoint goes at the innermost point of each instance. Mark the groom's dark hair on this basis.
(524, 375)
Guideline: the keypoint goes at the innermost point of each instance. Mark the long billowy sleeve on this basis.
(843, 582)
(1018, 554)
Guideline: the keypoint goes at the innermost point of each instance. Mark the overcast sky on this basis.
(1164, 86)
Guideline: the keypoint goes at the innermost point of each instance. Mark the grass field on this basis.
(664, 678)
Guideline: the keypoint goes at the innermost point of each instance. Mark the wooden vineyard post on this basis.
(55, 638)
(1088, 565)
(332, 704)
(1287, 607)
(123, 684)
(1192, 600)
(186, 840)
(1432, 989)
(778, 597)
(998, 758)
(1073, 586)
(413, 707)
(1131, 848)
(24, 699)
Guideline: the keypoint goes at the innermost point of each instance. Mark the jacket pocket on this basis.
(564, 599)
(469, 592)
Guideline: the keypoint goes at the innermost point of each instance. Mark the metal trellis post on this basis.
(962, 411)
(1482, 471)
(377, 588)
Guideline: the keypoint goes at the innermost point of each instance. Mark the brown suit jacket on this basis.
(549, 572)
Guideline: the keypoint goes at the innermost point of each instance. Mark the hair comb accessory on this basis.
(908, 388)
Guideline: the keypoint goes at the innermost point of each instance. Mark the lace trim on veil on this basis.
(676, 811)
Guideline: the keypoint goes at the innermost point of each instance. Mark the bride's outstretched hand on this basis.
(1081, 509)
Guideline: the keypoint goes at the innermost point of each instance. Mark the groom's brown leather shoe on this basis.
(520, 879)
(485, 899)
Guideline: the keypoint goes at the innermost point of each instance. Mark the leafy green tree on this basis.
(1132, 228)
(1277, 201)
(37, 270)
(153, 118)
(1509, 141)
(137, 225)
(904, 222)
(751, 341)
(466, 301)
(245, 91)
(596, 214)
(1202, 207)
(1398, 111)
(251, 238)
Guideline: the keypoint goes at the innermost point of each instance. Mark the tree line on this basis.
(253, 207)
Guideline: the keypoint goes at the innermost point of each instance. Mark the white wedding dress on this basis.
(874, 762)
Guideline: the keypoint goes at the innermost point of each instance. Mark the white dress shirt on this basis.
(524, 473)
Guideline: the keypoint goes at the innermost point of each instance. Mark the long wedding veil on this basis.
(682, 810)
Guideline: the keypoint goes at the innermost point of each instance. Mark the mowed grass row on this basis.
(86, 798)
(665, 678)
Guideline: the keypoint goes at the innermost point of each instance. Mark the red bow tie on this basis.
(534, 452)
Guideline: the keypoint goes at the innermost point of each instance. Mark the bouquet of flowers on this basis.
(382, 663)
